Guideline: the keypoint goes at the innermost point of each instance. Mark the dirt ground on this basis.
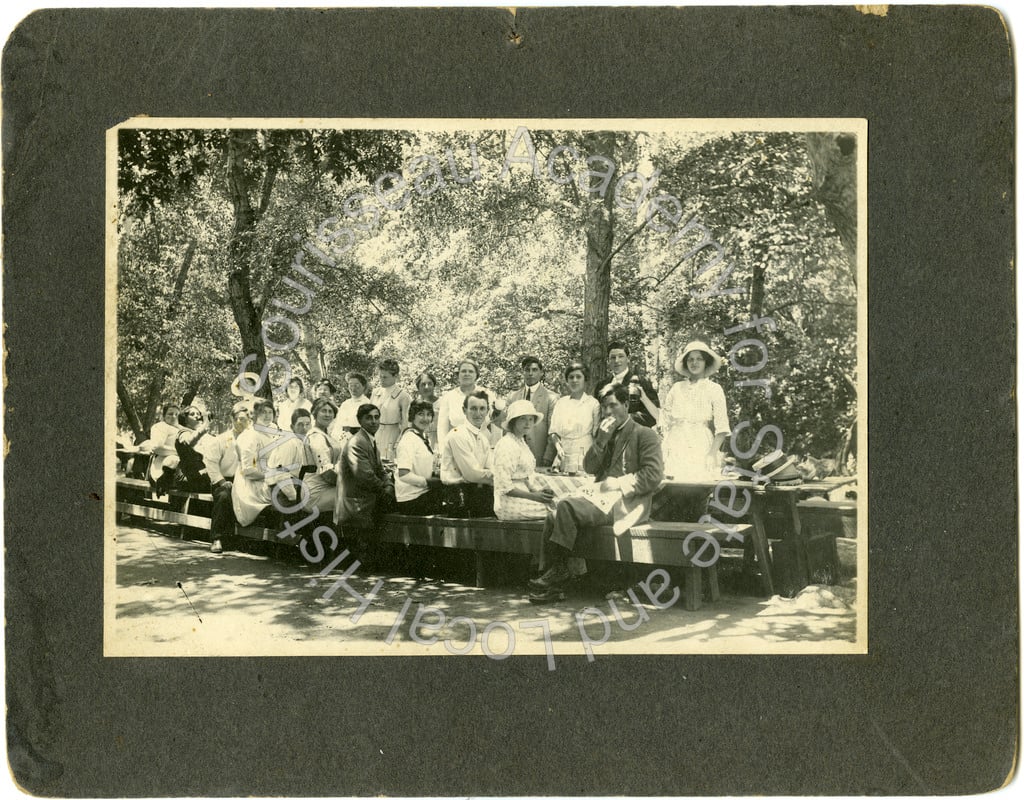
(175, 598)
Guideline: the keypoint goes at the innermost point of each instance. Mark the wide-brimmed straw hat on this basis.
(251, 379)
(712, 361)
(520, 408)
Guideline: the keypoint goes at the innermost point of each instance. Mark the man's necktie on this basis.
(606, 461)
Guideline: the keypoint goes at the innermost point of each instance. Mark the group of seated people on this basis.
(465, 453)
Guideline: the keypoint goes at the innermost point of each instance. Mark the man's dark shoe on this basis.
(543, 596)
(556, 576)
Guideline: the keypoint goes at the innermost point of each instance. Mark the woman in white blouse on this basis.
(513, 463)
(449, 411)
(288, 462)
(345, 423)
(415, 464)
(426, 386)
(694, 420)
(322, 485)
(293, 400)
(250, 493)
(574, 420)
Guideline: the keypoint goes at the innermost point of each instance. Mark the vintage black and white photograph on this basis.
(486, 387)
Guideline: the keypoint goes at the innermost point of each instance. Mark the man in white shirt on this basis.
(221, 459)
(466, 461)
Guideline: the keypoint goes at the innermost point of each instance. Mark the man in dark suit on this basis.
(626, 461)
(368, 489)
(643, 399)
(543, 400)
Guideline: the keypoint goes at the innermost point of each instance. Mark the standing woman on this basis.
(325, 451)
(426, 392)
(345, 423)
(512, 465)
(694, 420)
(294, 400)
(450, 408)
(574, 420)
(250, 493)
(393, 402)
(324, 388)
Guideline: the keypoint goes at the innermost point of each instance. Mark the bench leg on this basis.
(479, 569)
(759, 538)
(692, 588)
(712, 576)
(799, 541)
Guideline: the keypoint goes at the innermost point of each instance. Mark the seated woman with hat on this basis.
(513, 463)
(694, 420)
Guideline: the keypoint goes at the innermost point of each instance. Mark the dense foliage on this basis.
(474, 258)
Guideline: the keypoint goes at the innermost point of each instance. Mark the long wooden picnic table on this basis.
(761, 494)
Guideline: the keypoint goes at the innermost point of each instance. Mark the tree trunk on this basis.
(138, 429)
(833, 158)
(311, 351)
(597, 284)
(243, 308)
(156, 383)
(757, 291)
(190, 393)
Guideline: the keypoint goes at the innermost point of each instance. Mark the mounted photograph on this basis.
(490, 387)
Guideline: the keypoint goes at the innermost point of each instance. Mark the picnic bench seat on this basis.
(653, 543)
(138, 498)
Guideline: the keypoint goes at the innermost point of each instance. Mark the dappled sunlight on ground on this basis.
(176, 598)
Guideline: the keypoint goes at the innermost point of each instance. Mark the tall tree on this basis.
(249, 170)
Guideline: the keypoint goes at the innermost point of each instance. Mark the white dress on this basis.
(249, 496)
(285, 409)
(512, 464)
(346, 418)
(693, 413)
(393, 402)
(323, 485)
(575, 422)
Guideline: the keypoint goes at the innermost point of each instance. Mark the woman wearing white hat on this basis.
(513, 462)
(694, 420)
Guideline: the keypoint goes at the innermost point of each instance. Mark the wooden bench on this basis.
(822, 522)
(137, 498)
(652, 543)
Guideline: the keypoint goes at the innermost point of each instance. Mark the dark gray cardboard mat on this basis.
(931, 709)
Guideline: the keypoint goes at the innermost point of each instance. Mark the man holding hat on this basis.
(643, 399)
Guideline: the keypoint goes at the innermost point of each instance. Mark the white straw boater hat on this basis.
(520, 408)
(778, 467)
(713, 361)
